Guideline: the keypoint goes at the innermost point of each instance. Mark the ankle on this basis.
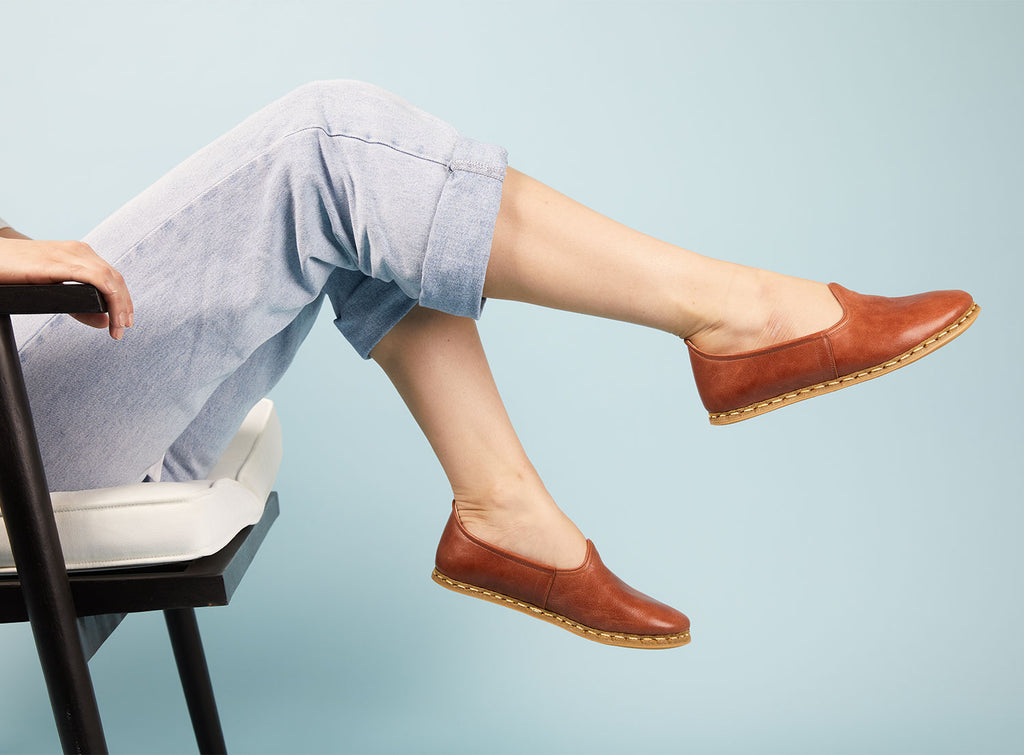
(517, 514)
(517, 490)
(734, 308)
(761, 308)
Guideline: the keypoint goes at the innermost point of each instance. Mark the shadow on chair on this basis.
(75, 597)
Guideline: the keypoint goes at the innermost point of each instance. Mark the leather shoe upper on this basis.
(872, 330)
(589, 594)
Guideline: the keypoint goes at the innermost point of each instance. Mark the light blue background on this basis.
(851, 565)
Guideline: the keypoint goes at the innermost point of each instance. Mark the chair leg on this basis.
(28, 516)
(195, 679)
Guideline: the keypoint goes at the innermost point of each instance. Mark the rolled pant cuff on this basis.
(459, 243)
(367, 311)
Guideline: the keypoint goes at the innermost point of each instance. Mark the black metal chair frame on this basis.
(73, 614)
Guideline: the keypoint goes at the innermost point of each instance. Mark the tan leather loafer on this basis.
(875, 336)
(589, 600)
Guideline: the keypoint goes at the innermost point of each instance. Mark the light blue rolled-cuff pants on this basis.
(338, 189)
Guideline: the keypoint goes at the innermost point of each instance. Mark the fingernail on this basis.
(122, 319)
(131, 319)
(118, 333)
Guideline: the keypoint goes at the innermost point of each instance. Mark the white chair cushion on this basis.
(162, 522)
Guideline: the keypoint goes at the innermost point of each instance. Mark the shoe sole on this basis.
(924, 348)
(647, 642)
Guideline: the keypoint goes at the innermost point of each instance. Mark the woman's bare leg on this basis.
(553, 251)
(437, 363)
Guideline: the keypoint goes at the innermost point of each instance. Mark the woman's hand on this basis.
(23, 260)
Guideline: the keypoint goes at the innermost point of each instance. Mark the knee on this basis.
(314, 95)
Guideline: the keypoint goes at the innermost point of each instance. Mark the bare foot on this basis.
(763, 308)
(528, 524)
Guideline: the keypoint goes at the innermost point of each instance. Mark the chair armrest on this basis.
(51, 298)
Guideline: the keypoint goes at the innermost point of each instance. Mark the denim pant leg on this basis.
(194, 452)
(338, 188)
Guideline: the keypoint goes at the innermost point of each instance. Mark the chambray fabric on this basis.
(339, 189)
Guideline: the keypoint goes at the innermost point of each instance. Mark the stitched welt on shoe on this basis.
(580, 628)
(828, 385)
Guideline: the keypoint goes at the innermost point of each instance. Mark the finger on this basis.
(115, 293)
(89, 267)
(93, 319)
